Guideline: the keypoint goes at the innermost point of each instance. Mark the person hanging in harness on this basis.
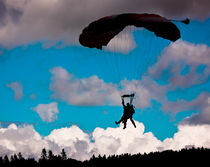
(128, 111)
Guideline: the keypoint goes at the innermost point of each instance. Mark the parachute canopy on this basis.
(128, 95)
(100, 32)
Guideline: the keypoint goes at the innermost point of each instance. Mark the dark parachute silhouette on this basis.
(100, 32)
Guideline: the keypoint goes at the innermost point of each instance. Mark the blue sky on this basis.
(55, 93)
(30, 66)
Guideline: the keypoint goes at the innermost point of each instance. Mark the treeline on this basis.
(47, 158)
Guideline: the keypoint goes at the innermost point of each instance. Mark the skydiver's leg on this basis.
(124, 122)
(133, 122)
(119, 121)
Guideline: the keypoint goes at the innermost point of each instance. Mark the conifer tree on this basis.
(63, 155)
(44, 154)
(50, 155)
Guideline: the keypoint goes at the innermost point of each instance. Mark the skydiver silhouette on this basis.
(128, 111)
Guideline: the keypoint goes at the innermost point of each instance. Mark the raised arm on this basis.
(123, 103)
(131, 98)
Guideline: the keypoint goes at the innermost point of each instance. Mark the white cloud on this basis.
(145, 90)
(131, 140)
(189, 135)
(47, 112)
(17, 88)
(17, 139)
(201, 104)
(81, 146)
(87, 91)
(76, 143)
(94, 91)
(179, 55)
(174, 59)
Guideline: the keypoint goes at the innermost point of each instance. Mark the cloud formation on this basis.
(47, 112)
(27, 21)
(9, 12)
(81, 146)
(176, 57)
(17, 139)
(202, 117)
(84, 92)
(201, 104)
(17, 88)
(94, 91)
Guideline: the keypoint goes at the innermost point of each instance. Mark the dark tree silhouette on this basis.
(6, 159)
(44, 154)
(50, 155)
(63, 155)
(167, 157)
(20, 157)
(15, 157)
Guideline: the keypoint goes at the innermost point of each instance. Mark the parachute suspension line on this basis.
(153, 55)
(124, 56)
(135, 58)
(123, 60)
(117, 66)
(150, 54)
(126, 64)
(150, 57)
(109, 63)
(113, 66)
(144, 52)
(119, 58)
(128, 56)
(99, 62)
